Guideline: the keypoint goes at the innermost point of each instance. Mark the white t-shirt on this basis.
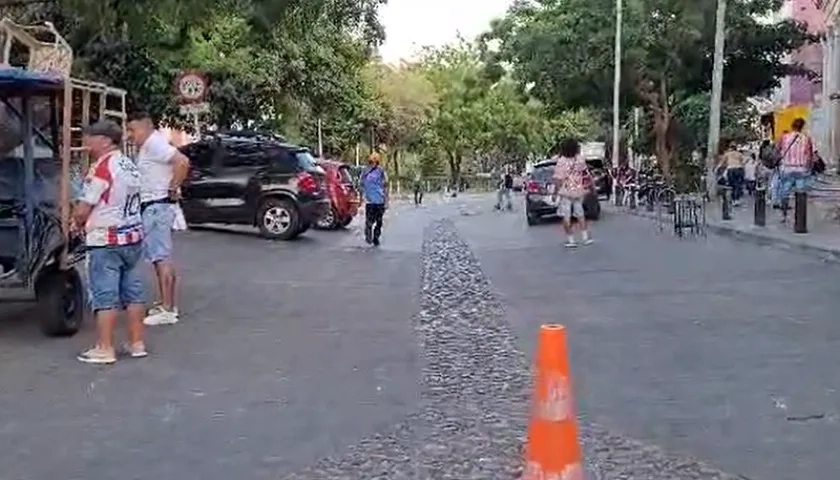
(112, 188)
(155, 164)
(749, 170)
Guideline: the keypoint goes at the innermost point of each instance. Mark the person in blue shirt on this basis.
(374, 186)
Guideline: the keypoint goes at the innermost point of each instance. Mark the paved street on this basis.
(324, 359)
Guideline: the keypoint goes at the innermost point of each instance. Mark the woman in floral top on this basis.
(572, 181)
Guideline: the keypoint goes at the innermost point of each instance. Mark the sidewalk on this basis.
(822, 239)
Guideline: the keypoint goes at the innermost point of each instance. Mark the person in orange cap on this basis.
(374, 185)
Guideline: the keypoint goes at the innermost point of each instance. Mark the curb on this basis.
(755, 235)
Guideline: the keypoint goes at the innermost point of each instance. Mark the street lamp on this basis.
(616, 95)
(715, 101)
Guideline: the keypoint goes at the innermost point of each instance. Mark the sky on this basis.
(411, 24)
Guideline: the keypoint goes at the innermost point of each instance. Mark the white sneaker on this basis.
(157, 308)
(588, 241)
(162, 317)
(571, 244)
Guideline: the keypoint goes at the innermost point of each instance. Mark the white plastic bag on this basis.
(180, 222)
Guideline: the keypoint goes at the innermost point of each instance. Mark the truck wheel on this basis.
(61, 303)
(278, 219)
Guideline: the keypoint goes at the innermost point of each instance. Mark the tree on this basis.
(667, 54)
(406, 101)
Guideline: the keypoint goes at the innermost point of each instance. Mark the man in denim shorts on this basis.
(162, 169)
(109, 212)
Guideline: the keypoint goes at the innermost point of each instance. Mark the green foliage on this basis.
(565, 50)
(290, 66)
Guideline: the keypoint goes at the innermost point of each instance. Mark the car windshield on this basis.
(542, 173)
(595, 163)
(307, 162)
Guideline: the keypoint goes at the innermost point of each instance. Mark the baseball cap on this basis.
(104, 128)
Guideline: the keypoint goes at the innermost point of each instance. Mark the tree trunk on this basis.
(663, 129)
(454, 159)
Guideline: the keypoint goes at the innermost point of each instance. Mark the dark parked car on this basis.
(539, 200)
(253, 179)
(600, 176)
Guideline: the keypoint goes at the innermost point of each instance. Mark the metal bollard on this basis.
(800, 212)
(619, 195)
(760, 210)
(632, 197)
(726, 204)
(651, 199)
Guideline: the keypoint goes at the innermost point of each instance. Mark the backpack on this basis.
(772, 157)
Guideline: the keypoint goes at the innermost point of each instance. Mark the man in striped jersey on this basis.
(109, 212)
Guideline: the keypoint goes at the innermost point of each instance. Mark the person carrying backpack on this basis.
(795, 163)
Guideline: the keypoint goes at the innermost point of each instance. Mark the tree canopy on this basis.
(563, 50)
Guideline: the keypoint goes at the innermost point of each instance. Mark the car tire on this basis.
(328, 221)
(345, 222)
(532, 219)
(278, 219)
(592, 208)
(61, 302)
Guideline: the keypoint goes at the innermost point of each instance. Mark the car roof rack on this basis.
(251, 134)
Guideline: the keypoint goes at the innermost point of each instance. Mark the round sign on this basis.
(191, 87)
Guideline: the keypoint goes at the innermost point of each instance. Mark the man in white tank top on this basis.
(109, 213)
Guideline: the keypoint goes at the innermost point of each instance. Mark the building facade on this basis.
(831, 78)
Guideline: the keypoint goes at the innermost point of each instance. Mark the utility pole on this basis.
(714, 104)
(616, 140)
(320, 141)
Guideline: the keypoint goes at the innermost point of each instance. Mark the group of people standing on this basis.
(784, 167)
(126, 212)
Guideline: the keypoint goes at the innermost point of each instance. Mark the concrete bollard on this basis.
(760, 210)
(726, 204)
(800, 212)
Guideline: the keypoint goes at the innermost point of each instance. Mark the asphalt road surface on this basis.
(323, 358)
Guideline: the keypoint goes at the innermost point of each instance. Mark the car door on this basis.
(244, 164)
(197, 189)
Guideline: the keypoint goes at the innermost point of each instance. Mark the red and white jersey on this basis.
(112, 188)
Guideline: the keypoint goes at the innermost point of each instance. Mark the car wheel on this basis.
(328, 220)
(592, 208)
(532, 219)
(344, 222)
(278, 219)
(61, 303)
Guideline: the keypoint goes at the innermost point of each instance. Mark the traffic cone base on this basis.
(534, 471)
(553, 451)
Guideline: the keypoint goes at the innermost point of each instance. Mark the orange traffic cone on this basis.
(552, 452)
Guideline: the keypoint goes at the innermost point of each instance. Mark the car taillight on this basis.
(533, 187)
(307, 183)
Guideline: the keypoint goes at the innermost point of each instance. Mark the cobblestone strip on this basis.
(472, 416)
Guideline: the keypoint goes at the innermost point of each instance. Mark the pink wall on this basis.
(803, 90)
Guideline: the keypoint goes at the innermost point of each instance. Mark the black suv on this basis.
(252, 179)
